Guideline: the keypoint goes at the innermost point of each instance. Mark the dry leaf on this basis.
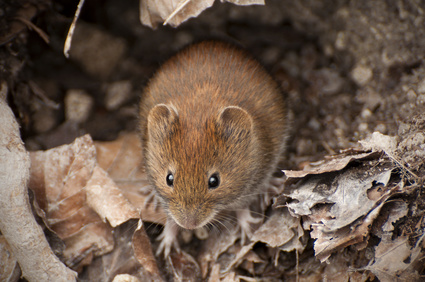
(339, 201)
(107, 200)
(237, 257)
(58, 178)
(280, 229)
(122, 160)
(143, 250)
(214, 246)
(347, 192)
(393, 258)
(329, 242)
(329, 164)
(121, 260)
(174, 12)
(184, 267)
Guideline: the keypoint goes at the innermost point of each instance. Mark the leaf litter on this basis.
(90, 194)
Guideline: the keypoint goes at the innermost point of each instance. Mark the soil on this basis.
(349, 68)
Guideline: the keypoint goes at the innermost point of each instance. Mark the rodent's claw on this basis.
(147, 189)
(245, 219)
(168, 239)
(151, 198)
(275, 187)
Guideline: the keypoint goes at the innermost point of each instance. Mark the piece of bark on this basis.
(24, 236)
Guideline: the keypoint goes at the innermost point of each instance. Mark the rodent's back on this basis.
(209, 75)
(197, 84)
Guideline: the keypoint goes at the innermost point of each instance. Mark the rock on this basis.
(77, 105)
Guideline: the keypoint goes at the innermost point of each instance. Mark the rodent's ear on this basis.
(161, 119)
(235, 122)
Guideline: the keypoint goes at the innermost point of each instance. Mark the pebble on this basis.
(117, 93)
(95, 50)
(78, 105)
(361, 75)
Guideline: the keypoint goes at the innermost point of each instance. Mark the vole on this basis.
(213, 125)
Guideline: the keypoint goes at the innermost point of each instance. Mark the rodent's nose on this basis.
(191, 223)
(190, 219)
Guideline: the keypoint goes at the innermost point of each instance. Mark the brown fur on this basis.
(211, 109)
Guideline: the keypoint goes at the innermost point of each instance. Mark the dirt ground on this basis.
(349, 68)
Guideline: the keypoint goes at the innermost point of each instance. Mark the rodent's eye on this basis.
(214, 181)
(170, 179)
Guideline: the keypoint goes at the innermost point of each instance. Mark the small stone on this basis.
(305, 147)
(77, 105)
(421, 86)
(411, 95)
(314, 124)
(186, 235)
(201, 233)
(125, 278)
(97, 51)
(361, 74)
(382, 128)
(420, 100)
(328, 80)
(44, 120)
(366, 113)
(271, 55)
(340, 42)
(291, 64)
(363, 127)
(117, 93)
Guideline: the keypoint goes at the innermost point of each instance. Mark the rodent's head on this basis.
(199, 167)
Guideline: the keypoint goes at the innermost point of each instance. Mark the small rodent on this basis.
(213, 126)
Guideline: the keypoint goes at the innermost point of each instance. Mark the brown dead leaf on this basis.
(143, 250)
(174, 12)
(238, 254)
(330, 163)
(122, 160)
(394, 259)
(279, 230)
(328, 242)
(121, 260)
(249, 262)
(214, 246)
(347, 191)
(183, 267)
(107, 200)
(399, 209)
(339, 201)
(58, 178)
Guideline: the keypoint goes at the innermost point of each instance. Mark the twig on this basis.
(68, 40)
(17, 223)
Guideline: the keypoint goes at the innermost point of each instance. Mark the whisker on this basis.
(254, 212)
(221, 223)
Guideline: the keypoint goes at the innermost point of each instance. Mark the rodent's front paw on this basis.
(274, 187)
(151, 198)
(245, 219)
(168, 239)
